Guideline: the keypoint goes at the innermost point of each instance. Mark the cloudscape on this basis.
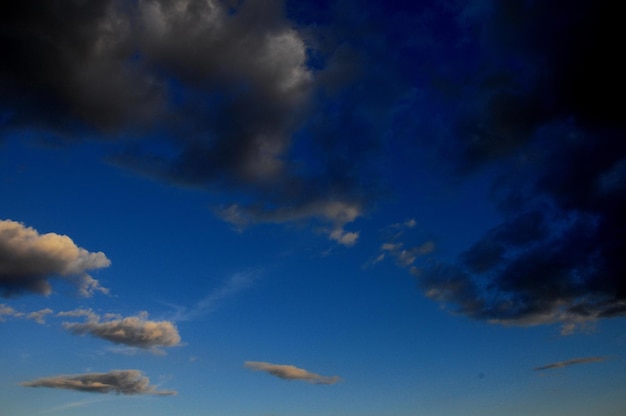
(399, 207)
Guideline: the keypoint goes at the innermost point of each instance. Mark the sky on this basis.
(294, 208)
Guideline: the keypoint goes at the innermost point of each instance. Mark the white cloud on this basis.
(134, 331)
(347, 239)
(290, 372)
(28, 260)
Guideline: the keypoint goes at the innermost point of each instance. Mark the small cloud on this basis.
(390, 246)
(342, 237)
(405, 257)
(410, 223)
(567, 363)
(290, 372)
(38, 316)
(32, 259)
(117, 381)
(134, 331)
(337, 212)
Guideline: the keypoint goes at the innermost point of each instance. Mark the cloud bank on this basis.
(538, 110)
(289, 372)
(29, 260)
(116, 381)
(207, 94)
(134, 331)
(567, 363)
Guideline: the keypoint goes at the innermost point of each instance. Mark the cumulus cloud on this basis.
(28, 260)
(133, 331)
(217, 95)
(567, 363)
(116, 381)
(290, 372)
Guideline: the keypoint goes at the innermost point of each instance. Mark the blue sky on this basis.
(311, 208)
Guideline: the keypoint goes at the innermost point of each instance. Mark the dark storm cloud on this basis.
(115, 381)
(29, 260)
(567, 363)
(204, 93)
(65, 66)
(542, 108)
(134, 331)
(290, 372)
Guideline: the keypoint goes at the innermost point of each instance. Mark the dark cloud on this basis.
(289, 372)
(212, 94)
(115, 381)
(67, 66)
(134, 331)
(542, 109)
(28, 260)
(540, 63)
(567, 363)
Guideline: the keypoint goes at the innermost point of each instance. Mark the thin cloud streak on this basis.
(234, 284)
(290, 372)
(73, 405)
(567, 363)
(128, 382)
(134, 331)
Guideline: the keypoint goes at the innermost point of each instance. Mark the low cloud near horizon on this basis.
(290, 372)
(126, 382)
(567, 363)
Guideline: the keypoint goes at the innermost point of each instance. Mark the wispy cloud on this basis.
(134, 331)
(72, 405)
(567, 363)
(290, 372)
(31, 259)
(116, 381)
(404, 254)
(37, 316)
(234, 284)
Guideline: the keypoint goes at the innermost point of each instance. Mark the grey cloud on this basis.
(567, 363)
(134, 331)
(116, 381)
(37, 316)
(405, 256)
(290, 372)
(69, 68)
(5, 311)
(337, 212)
(224, 88)
(28, 260)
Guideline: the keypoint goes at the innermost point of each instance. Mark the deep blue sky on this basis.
(312, 208)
